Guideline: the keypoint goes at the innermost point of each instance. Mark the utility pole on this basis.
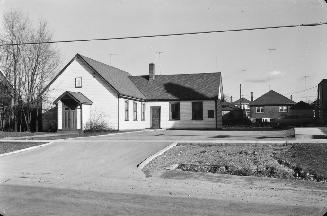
(270, 51)
(305, 86)
(240, 96)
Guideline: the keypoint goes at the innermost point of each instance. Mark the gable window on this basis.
(78, 82)
(143, 112)
(135, 111)
(197, 111)
(126, 110)
(283, 109)
(174, 111)
(211, 114)
(259, 110)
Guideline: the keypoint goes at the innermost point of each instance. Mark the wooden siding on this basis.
(105, 100)
(131, 124)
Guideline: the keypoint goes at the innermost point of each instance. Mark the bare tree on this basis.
(27, 67)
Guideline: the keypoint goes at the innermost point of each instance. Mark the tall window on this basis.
(174, 111)
(283, 109)
(135, 111)
(197, 111)
(143, 112)
(126, 110)
(259, 110)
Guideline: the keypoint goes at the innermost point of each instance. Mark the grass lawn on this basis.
(71, 135)
(6, 147)
(288, 161)
(4, 134)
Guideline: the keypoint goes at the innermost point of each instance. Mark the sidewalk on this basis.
(308, 133)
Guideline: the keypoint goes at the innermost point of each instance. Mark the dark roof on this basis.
(77, 96)
(271, 98)
(163, 87)
(226, 106)
(179, 87)
(117, 78)
(243, 100)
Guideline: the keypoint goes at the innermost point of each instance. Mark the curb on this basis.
(149, 159)
(26, 149)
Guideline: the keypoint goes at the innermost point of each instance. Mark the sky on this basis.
(276, 59)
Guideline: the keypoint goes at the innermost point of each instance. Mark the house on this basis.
(243, 104)
(322, 102)
(269, 106)
(86, 90)
(6, 102)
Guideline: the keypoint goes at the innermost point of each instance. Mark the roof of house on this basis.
(77, 96)
(243, 100)
(271, 98)
(117, 78)
(163, 87)
(226, 106)
(179, 87)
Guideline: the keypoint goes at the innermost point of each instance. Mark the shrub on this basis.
(96, 123)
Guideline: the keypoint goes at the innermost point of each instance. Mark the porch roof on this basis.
(77, 96)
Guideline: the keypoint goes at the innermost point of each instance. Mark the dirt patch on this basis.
(6, 147)
(286, 161)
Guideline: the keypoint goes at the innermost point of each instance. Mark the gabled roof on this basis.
(117, 78)
(77, 96)
(243, 100)
(271, 98)
(200, 86)
(226, 106)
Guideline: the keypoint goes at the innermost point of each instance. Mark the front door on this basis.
(155, 117)
(69, 118)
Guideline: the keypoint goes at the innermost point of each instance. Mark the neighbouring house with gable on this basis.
(243, 104)
(269, 106)
(87, 89)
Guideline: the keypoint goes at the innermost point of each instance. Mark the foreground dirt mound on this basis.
(287, 161)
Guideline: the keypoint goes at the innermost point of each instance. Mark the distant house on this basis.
(322, 102)
(87, 89)
(269, 106)
(6, 102)
(243, 104)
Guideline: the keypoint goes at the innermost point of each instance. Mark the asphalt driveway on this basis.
(98, 175)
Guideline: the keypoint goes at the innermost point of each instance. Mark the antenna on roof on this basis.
(159, 63)
(110, 55)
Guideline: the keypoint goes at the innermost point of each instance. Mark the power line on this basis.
(304, 90)
(168, 35)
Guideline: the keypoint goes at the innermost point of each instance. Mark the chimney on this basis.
(251, 96)
(231, 99)
(291, 97)
(152, 71)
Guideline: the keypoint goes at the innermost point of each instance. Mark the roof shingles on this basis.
(271, 98)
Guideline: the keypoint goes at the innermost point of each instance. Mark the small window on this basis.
(143, 112)
(259, 110)
(283, 109)
(174, 111)
(197, 111)
(126, 110)
(78, 82)
(135, 111)
(211, 114)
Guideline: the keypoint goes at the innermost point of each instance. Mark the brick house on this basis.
(243, 104)
(322, 102)
(270, 106)
(86, 87)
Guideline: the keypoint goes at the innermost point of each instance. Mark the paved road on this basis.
(97, 176)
